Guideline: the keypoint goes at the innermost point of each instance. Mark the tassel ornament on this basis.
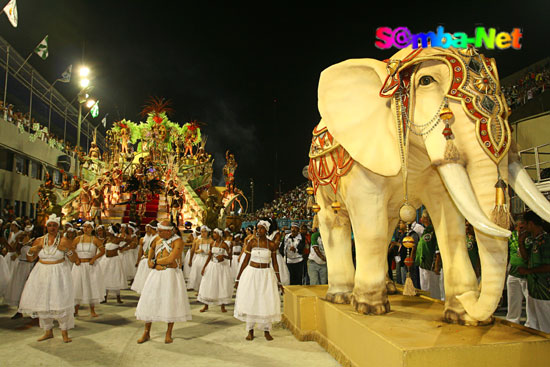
(500, 214)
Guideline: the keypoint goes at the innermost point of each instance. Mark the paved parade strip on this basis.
(210, 339)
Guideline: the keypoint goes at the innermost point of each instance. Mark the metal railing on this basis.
(540, 155)
(29, 92)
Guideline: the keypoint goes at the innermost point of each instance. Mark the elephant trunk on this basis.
(527, 191)
(493, 250)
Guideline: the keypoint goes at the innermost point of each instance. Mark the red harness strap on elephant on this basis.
(328, 160)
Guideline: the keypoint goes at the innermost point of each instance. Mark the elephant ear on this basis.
(357, 117)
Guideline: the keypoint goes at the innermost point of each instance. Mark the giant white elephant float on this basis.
(367, 106)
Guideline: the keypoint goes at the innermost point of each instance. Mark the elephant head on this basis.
(381, 99)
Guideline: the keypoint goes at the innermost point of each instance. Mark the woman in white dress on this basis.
(236, 250)
(11, 255)
(22, 269)
(257, 301)
(143, 268)
(217, 283)
(88, 282)
(164, 296)
(198, 257)
(4, 276)
(129, 243)
(275, 236)
(48, 293)
(113, 274)
(101, 234)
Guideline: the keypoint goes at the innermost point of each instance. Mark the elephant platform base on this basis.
(411, 334)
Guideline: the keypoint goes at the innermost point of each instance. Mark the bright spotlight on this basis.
(84, 83)
(84, 71)
(90, 103)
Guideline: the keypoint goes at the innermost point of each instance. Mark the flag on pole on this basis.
(104, 121)
(42, 48)
(95, 110)
(66, 76)
(11, 12)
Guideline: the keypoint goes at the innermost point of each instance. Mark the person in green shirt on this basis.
(537, 270)
(429, 260)
(516, 283)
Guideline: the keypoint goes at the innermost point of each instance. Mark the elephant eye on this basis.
(426, 80)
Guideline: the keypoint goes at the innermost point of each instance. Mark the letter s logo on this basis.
(385, 37)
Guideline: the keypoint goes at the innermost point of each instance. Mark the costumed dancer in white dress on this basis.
(22, 269)
(164, 296)
(236, 250)
(217, 283)
(101, 234)
(113, 273)
(130, 242)
(143, 268)
(11, 255)
(275, 236)
(89, 287)
(48, 293)
(4, 276)
(198, 257)
(257, 301)
(188, 236)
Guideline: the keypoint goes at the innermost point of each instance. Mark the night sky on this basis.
(250, 73)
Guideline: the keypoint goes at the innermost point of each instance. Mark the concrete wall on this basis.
(532, 132)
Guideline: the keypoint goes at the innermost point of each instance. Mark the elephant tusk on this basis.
(525, 188)
(458, 185)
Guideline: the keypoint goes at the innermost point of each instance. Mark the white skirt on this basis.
(4, 276)
(48, 292)
(128, 263)
(17, 282)
(235, 266)
(164, 297)
(257, 298)
(283, 269)
(217, 284)
(114, 278)
(186, 267)
(9, 262)
(89, 287)
(195, 277)
(142, 273)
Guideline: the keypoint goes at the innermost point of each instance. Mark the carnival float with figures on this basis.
(157, 169)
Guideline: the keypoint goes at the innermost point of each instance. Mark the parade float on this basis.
(153, 169)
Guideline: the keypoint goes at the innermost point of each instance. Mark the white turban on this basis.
(219, 232)
(89, 223)
(151, 226)
(19, 226)
(205, 228)
(111, 230)
(29, 228)
(53, 219)
(164, 228)
(265, 224)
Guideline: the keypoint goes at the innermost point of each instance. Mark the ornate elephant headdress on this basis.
(475, 84)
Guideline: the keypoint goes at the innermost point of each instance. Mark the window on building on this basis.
(6, 159)
(56, 177)
(36, 170)
(17, 208)
(31, 211)
(23, 208)
(21, 165)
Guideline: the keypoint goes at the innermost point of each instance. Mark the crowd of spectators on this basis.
(533, 83)
(290, 205)
(36, 130)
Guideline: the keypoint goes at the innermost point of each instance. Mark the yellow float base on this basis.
(412, 334)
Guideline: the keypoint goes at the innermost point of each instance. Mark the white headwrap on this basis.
(205, 228)
(69, 224)
(29, 228)
(219, 232)
(19, 226)
(294, 224)
(238, 235)
(123, 225)
(164, 228)
(265, 224)
(111, 230)
(53, 218)
(151, 226)
(89, 223)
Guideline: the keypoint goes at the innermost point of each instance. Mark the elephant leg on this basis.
(459, 276)
(390, 285)
(336, 234)
(367, 205)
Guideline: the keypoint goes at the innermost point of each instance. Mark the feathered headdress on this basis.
(156, 106)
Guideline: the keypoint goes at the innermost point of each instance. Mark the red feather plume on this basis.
(157, 105)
